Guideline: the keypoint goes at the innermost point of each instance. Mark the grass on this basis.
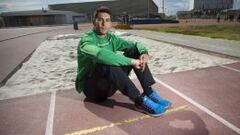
(230, 31)
(122, 26)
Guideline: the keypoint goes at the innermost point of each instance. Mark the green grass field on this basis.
(231, 32)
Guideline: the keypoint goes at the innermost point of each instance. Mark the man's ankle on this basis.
(148, 91)
(138, 100)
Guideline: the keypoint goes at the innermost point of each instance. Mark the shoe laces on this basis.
(154, 96)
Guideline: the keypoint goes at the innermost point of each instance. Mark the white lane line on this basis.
(233, 69)
(217, 117)
(49, 127)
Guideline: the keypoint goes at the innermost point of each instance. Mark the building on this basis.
(134, 8)
(41, 17)
(211, 9)
(216, 5)
(2, 24)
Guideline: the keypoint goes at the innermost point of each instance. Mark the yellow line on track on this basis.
(127, 121)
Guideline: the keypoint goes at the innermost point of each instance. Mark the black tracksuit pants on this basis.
(105, 80)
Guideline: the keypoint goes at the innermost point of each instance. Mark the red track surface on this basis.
(216, 88)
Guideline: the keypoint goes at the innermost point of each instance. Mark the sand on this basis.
(53, 65)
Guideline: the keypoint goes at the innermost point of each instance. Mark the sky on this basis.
(171, 6)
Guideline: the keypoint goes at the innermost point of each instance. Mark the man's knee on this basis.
(119, 70)
(104, 70)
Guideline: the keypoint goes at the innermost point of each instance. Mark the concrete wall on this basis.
(29, 18)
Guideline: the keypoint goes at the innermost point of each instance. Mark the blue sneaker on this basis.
(157, 99)
(150, 107)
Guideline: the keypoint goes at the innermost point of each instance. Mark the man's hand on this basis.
(136, 63)
(144, 58)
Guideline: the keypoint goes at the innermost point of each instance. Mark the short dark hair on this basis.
(102, 9)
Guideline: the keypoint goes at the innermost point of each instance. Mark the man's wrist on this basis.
(144, 52)
(132, 61)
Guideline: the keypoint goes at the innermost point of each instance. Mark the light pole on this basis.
(163, 7)
(42, 5)
(148, 8)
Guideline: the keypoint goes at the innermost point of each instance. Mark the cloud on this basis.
(172, 6)
(19, 5)
(4, 7)
(70, 1)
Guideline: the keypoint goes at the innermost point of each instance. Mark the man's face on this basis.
(102, 23)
